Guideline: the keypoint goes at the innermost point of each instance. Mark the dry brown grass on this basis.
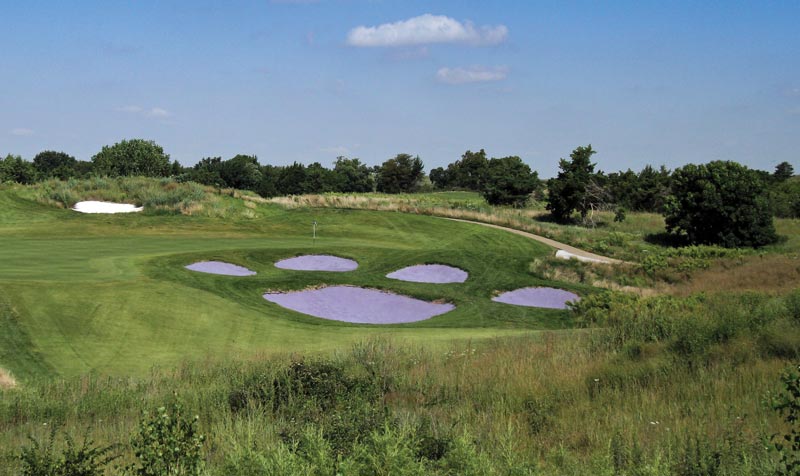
(767, 273)
(6, 379)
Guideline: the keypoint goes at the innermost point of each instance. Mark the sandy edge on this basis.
(571, 250)
(94, 206)
(6, 379)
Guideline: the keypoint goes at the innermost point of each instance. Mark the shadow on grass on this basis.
(667, 240)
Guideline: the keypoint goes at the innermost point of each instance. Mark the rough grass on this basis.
(551, 403)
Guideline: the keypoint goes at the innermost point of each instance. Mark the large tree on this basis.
(351, 176)
(132, 157)
(721, 202)
(16, 169)
(400, 174)
(52, 164)
(242, 172)
(783, 171)
(567, 192)
(508, 181)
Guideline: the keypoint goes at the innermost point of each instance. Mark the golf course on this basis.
(109, 293)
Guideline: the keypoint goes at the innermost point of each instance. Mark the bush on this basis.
(721, 202)
(84, 460)
(168, 443)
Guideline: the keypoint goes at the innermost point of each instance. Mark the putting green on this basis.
(109, 293)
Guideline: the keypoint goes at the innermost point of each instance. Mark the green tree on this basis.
(132, 157)
(242, 172)
(470, 172)
(292, 180)
(351, 176)
(15, 169)
(721, 202)
(400, 174)
(567, 192)
(318, 179)
(440, 178)
(208, 172)
(508, 181)
(783, 172)
(52, 164)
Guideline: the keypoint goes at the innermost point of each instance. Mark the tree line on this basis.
(709, 203)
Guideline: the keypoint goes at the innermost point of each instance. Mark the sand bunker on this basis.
(220, 267)
(549, 298)
(358, 305)
(105, 207)
(317, 263)
(430, 273)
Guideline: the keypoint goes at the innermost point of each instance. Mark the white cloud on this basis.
(21, 131)
(472, 74)
(155, 112)
(426, 29)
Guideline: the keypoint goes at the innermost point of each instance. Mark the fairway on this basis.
(110, 294)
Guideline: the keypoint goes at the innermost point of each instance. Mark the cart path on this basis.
(570, 250)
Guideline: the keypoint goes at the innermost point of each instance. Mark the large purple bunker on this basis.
(220, 267)
(430, 273)
(549, 298)
(358, 305)
(317, 263)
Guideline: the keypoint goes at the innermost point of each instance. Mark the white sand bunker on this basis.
(105, 207)
(549, 298)
(220, 267)
(358, 305)
(430, 273)
(317, 263)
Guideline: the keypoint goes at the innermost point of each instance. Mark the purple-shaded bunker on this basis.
(317, 263)
(358, 305)
(549, 298)
(430, 273)
(220, 267)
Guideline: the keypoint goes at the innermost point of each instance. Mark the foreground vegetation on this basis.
(666, 386)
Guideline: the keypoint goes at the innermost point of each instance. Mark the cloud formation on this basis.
(426, 29)
(21, 131)
(472, 74)
(155, 112)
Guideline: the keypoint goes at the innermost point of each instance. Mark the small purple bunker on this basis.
(220, 267)
(549, 298)
(430, 273)
(317, 263)
(358, 305)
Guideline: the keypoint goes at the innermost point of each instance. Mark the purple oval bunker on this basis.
(317, 263)
(430, 273)
(220, 267)
(549, 298)
(358, 305)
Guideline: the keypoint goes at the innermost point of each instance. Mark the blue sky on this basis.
(643, 82)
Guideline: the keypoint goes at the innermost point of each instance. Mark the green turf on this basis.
(109, 293)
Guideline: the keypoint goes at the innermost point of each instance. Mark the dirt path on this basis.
(570, 250)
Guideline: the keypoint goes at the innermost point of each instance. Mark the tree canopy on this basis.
(52, 164)
(508, 181)
(567, 192)
(132, 157)
(721, 202)
(400, 174)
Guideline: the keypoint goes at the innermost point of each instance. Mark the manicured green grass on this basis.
(109, 293)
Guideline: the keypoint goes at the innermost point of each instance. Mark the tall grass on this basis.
(664, 386)
(157, 196)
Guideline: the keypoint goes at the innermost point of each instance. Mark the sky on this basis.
(302, 80)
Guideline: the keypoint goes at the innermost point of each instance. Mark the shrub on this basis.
(169, 443)
(84, 460)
